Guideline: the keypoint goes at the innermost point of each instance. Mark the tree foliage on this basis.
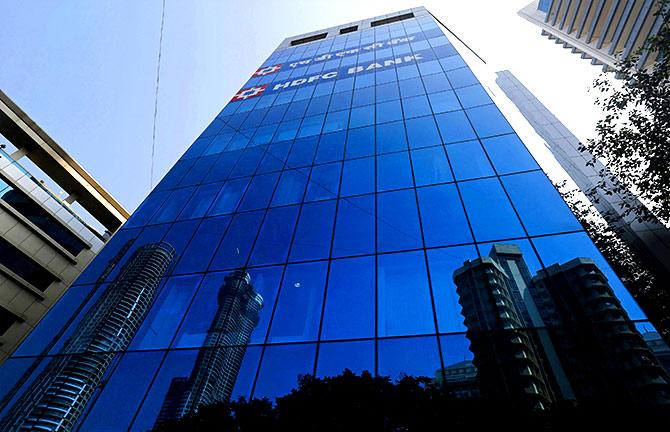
(642, 281)
(350, 402)
(633, 137)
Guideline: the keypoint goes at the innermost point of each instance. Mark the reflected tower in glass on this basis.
(58, 397)
(349, 178)
(217, 366)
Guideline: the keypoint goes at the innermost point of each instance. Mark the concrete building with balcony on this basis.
(46, 240)
(600, 30)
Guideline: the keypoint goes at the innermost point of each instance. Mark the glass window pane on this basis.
(298, 312)
(229, 196)
(236, 245)
(275, 236)
(291, 187)
(280, 368)
(469, 160)
(355, 226)
(540, 207)
(355, 356)
(442, 263)
(200, 201)
(404, 305)
(331, 148)
(324, 182)
(416, 106)
(259, 192)
(444, 101)
(473, 96)
(488, 121)
(389, 111)
(442, 216)
(422, 132)
(490, 212)
(454, 126)
(398, 223)
(358, 177)
(302, 152)
(362, 116)
(431, 166)
(350, 300)
(160, 324)
(360, 142)
(409, 356)
(201, 248)
(508, 154)
(314, 232)
(391, 137)
(135, 368)
(559, 249)
(393, 171)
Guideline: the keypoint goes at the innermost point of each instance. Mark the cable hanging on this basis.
(158, 80)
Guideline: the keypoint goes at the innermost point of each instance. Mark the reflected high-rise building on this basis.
(608, 357)
(218, 363)
(507, 359)
(577, 329)
(57, 398)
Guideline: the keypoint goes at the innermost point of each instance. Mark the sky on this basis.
(85, 71)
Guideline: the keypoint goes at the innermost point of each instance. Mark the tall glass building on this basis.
(360, 203)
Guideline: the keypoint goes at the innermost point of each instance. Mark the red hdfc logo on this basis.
(267, 70)
(250, 92)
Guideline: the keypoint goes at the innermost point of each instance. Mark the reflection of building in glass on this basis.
(459, 380)
(217, 365)
(589, 345)
(607, 355)
(658, 346)
(58, 396)
(507, 360)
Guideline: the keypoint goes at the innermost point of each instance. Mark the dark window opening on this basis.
(392, 19)
(6, 320)
(309, 39)
(32, 211)
(348, 29)
(18, 262)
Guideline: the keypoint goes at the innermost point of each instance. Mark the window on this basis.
(355, 226)
(229, 196)
(540, 207)
(275, 236)
(298, 312)
(314, 231)
(350, 300)
(324, 182)
(335, 357)
(392, 19)
(488, 121)
(201, 248)
(7, 319)
(398, 224)
(444, 221)
(280, 368)
(346, 30)
(442, 264)
(431, 166)
(358, 177)
(21, 264)
(259, 192)
(393, 171)
(410, 356)
(481, 197)
(469, 160)
(454, 126)
(422, 132)
(391, 137)
(291, 187)
(360, 142)
(509, 154)
(416, 106)
(236, 245)
(404, 306)
(308, 39)
(34, 212)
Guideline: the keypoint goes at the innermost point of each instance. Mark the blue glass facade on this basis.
(350, 179)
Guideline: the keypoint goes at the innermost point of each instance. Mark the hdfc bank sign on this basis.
(267, 70)
(250, 92)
